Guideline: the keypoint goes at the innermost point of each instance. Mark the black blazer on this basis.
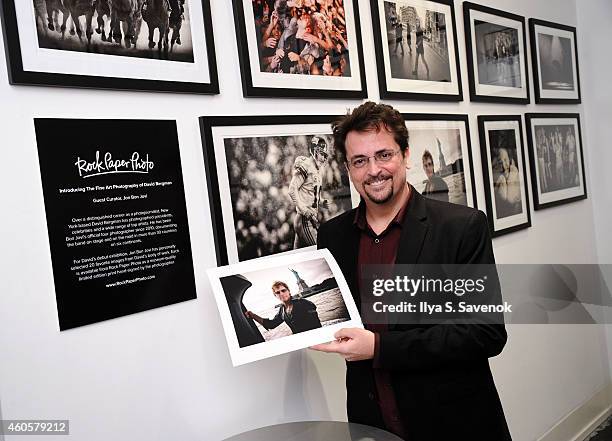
(440, 373)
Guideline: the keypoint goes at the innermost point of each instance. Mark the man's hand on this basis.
(248, 314)
(354, 344)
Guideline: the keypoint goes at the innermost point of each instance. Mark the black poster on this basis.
(116, 217)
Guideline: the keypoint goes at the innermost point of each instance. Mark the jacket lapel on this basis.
(414, 230)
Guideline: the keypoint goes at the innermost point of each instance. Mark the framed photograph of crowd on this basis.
(271, 181)
(441, 165)
(554, 56)
(504, 173)
(280, 304)
(496, 47)
(152, 45)
(300, 48)
(556, 158)
(416, 49)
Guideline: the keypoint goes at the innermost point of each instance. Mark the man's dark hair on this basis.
(427, 155)
(370, 117)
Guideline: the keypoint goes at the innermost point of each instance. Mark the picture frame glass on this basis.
(303, 62)
(264, 173)
(499, 58)
(557, 63)
(506, 170)
(45, 50)
(425, 32)
(558, 156)
(440, 163)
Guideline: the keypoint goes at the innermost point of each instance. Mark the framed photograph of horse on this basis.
(300, 49)
(148, 45)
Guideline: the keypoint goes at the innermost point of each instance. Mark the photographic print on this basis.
(300, 48)
(281, 304)
(555, 62)
(504, 172)
(272, 181)
(556, 158)
(497, 55)
(416, 49)
(163, 45)
(152, 28)
(440, 163)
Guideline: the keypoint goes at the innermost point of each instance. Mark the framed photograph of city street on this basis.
(554, 56)
(271, 181)
(300, 49)
(504, 173)
(416, 49)
(441, 165)
(281, 304)
(556, 158)
(157, 45)
(496, 47)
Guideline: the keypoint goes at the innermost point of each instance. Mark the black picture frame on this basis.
(542, 96)
(250, 90)
(212, 158)
(536, 180)
(468, 7)
(19, 76)
(385, 92)
(467, 149)
(487, 178)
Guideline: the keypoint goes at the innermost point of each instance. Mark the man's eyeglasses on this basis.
(379, 157)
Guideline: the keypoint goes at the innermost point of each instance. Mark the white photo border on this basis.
(490, 93)
(518, 221)
(558, 197)
(248, 354)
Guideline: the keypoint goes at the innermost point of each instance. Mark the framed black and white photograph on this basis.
(280, 304)
(305, 48)
(504, 173)
(271, 181)
(152, 45)
(416, 49)
(496, 47)
(440, 162)
(556, 158)
(555, 62)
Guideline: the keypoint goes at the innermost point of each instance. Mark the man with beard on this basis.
(419, 381)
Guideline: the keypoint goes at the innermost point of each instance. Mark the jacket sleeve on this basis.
(453, 342)
(274, 322)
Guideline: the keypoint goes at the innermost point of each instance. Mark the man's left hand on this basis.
(354, 344)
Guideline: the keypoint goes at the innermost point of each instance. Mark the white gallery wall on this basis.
(166, 373)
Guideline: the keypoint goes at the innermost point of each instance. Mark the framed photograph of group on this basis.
(416, 49)
(271, 181)
(300, 49)
(157, 45)
(556, 158)
(554, 56)
(441, 165)
(504, 173)
(496, 47)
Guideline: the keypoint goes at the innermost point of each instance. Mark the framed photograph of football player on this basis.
(274, 305)
(152, 45)
(440, 161)
(300, 48)
(496, 47)
(504, 173)
(416, 49)
(554, 55)
(556, 158)
(271, 181)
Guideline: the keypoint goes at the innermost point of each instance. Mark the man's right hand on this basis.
(248, 314)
